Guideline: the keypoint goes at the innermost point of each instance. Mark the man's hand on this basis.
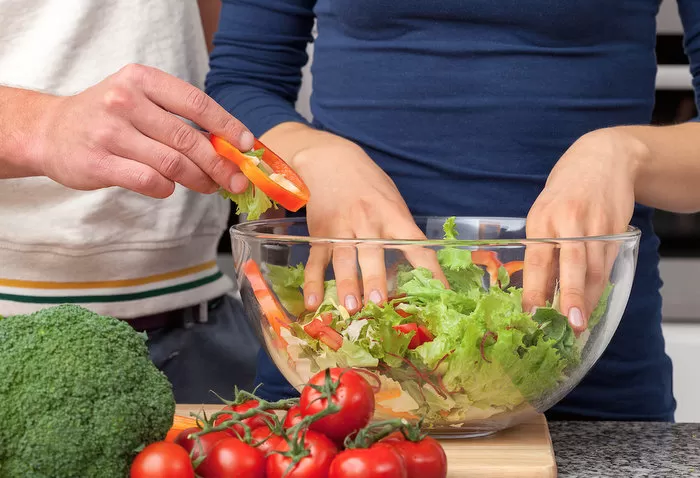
(126, 131)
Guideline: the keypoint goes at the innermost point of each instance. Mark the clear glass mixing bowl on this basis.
(466, 360)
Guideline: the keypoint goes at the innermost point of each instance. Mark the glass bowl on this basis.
(466, 360)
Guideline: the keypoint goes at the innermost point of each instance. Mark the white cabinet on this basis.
(683, 346)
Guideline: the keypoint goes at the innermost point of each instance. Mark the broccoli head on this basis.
(79, 395)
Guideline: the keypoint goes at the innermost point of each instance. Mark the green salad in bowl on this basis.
(465, 359)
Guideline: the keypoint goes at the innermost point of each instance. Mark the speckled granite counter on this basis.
(616, 449)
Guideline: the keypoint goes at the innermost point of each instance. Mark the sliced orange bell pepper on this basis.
(292, 197)
(488, 259)
(513, 266)
(271, 308)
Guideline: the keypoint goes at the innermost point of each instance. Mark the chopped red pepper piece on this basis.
(402, 313)
(313, 328)
(330, 337)
(292, 199)
(326, 318)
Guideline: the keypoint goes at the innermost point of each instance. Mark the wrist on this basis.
(24, 129)
(622, 146)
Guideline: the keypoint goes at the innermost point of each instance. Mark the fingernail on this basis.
(312, 300)
(246, 139)
(238, 183)
(576, 317)
(533, 310)
(350, 302)
(375, 297)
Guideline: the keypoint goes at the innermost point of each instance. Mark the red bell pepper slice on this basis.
(271, 308)
(290, 199)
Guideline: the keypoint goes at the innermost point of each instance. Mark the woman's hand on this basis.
(352, 198)
(124, 132)
(590, 192)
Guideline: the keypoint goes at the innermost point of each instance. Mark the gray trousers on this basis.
(201, 355)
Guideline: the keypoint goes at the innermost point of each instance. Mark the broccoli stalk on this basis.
(79, 395)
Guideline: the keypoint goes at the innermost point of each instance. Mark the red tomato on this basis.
(266, 440)
(206, 441)
(293, 417)
(353, 395)
(161, 460)
(379, 461)
(315, 465)
(395, 436)
(253, 422)
(423, 458)
(231, 458)
(420, 334)
(425, 334)
(183, 440)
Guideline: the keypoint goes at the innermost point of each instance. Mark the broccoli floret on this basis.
(78, 395)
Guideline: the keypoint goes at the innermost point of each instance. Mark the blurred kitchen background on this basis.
(680, 234)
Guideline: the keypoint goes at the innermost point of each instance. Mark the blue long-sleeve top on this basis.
(467, 105)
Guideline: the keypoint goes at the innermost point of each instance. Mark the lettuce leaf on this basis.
(287, 283)
(252, 202)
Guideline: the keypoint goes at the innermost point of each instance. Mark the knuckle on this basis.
(230, 125)
(373, 279)
(596, 275)
(219, 169)
(107, 133)
(133, 74)
(184, 137)
(172, 165)
(538, 259)
(118, 99)
(197, 102)
(575, 254)
(347, 284)
(573, 293)
(147, 181)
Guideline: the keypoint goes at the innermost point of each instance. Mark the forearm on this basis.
(665, 163)
(209, 11)
(21, 122)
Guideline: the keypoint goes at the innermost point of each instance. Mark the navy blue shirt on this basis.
(467, 105)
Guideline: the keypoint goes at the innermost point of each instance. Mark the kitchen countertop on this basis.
(626, 449)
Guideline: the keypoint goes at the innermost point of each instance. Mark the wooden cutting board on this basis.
(524, 451)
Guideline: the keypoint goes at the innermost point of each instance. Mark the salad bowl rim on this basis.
(251, 230)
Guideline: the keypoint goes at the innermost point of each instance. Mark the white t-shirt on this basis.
(111, 250)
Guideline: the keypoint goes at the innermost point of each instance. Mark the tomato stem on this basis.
(374, 432)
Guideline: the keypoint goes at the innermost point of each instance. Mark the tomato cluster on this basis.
(326, 433)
